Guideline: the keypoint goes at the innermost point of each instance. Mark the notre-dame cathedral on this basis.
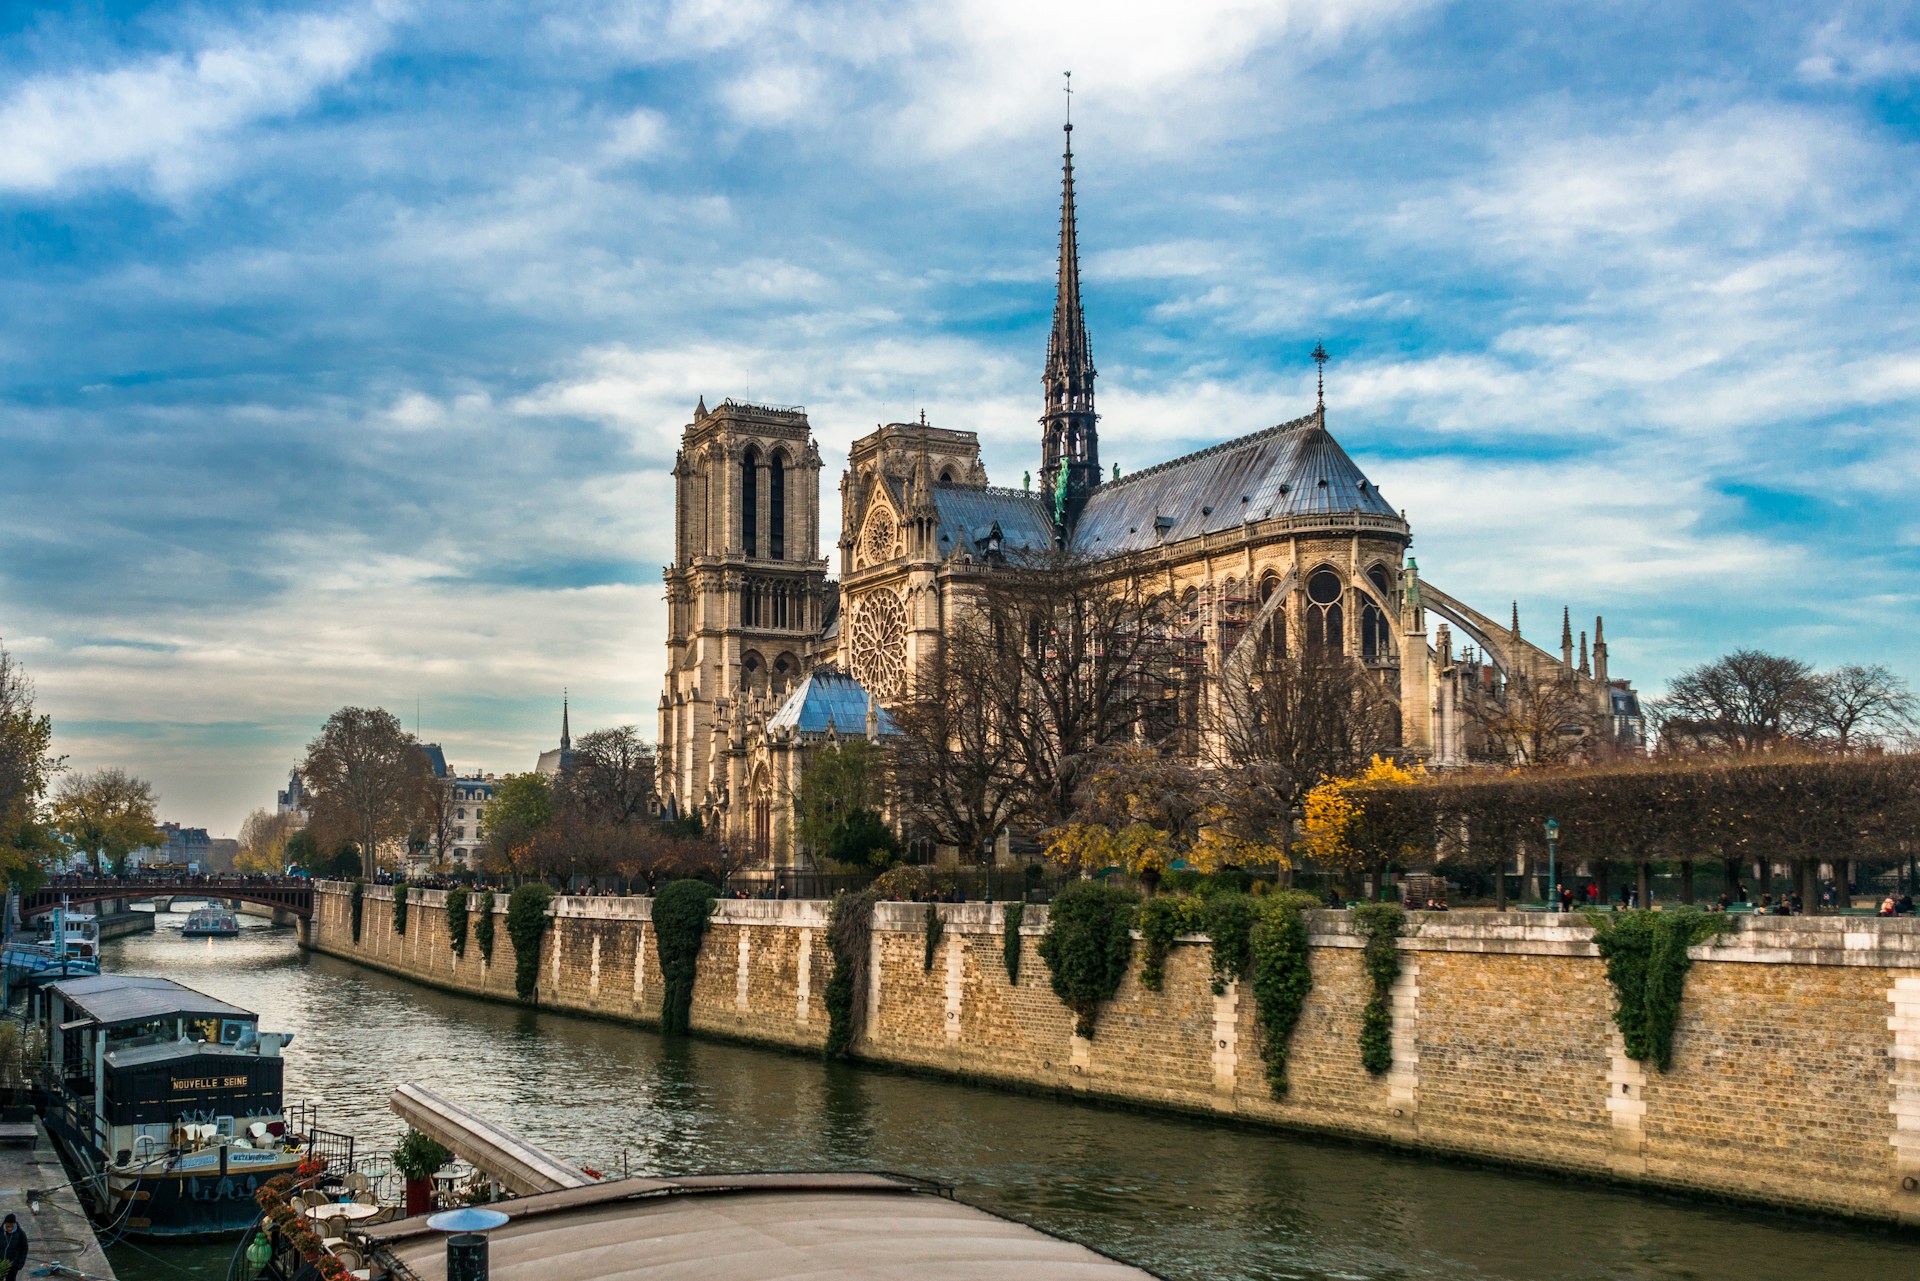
(767, 657)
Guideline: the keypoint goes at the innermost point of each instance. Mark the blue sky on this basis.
(346, 346)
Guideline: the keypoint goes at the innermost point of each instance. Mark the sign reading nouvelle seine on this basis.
(210, 1083)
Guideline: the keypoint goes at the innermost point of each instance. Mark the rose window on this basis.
(879, 643)
(880, 535)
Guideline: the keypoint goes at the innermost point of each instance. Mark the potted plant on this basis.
(416, 1159)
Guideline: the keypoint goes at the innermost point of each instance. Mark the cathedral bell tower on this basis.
(1070, 450)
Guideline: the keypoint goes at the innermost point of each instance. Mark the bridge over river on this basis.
(291, 895)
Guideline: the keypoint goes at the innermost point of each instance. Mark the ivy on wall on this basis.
(457, 920)
(483, 925)
(526, 926)
(359, 905)
(1162, 919)
(850, 936)
(1010, 940)
(1647, 963)
(1281, 977)
(1381, 925)
(936, 931)
(399, 907)
(1087, 946)
(681, 911)
(1227, 919)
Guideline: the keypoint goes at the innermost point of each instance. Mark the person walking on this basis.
(13, 1247)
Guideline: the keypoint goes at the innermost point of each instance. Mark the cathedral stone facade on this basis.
(1276, 530)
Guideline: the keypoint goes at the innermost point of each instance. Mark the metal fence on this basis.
(951, 885)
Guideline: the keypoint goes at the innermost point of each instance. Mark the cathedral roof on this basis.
(1294, 469)
(968, 515)
(829, 699)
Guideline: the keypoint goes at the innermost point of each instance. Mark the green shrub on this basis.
(359, 903)
(850, 935)
(457, 920)
(399, 907)
(1281, 976)
(1647, 963)
(526, 926)
(681, 911)
(483, 925)
(936, 931)
(1162, 919)
(1087, 946)
(418, 1157)
(1010, 940)
(1380, 924)
(1227, 917)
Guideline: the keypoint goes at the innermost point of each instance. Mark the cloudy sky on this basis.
(346, 346)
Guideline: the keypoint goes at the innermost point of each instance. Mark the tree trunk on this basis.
(1500, 885)
(1603, 892)
(1842, 881)
(1643, 884)
(1730, 874)
(1686, 881)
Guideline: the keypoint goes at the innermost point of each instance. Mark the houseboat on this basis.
(211, 922)
(66, 945)
(166, 1103)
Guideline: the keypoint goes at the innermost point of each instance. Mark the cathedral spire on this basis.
(1514, 632)
(1070, 437)
(566, 738)
(1566, 637)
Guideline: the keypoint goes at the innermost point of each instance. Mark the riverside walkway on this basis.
(60, 1239)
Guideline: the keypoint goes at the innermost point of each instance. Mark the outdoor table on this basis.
(351, 1211)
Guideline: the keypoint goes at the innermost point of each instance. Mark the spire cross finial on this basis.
(1069, 92)
(1319, 355)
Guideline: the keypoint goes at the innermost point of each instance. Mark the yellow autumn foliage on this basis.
(1333, 810)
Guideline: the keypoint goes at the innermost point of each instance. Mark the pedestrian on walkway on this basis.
(13, 1247)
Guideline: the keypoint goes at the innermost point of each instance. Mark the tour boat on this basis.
(211, 922)
(66, 946)
(166, 1103)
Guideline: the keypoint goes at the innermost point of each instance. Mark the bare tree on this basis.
(951, 770)
(263, 842)
(612, 775)
(1549, 720)
(1858, 698)
(366, 775)
(1744, 701)
(1298, 715)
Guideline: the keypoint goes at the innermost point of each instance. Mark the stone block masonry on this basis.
(1796, 1075)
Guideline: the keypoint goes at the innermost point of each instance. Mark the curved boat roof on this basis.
(109, 1000)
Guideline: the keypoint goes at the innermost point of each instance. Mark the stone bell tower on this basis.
(746, 592)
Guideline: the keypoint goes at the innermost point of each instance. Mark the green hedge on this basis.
(1647, 963)
(681, 911)
(1087, 946)
(526, 926)
(457, 920)
(483, 925)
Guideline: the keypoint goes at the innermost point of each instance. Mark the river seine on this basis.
(1186, 1198)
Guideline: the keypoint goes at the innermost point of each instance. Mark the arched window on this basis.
(1378, 577)
(946, 477)
(1325, 621)
(1373, 631)
(750, 603)
(750, 501)
(777, 509)
(751, 672)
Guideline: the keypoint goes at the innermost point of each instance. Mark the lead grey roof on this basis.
(168, 1051)
(967, 515)
(829, 699)
(1293, 469)
(112, 999)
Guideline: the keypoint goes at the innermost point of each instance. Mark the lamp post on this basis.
(1553, 883)
(986, 865)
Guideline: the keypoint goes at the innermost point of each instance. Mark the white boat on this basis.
(211, 922)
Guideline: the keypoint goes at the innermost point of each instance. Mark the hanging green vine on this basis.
(358, 901)
(483, 925)
(1162, 919)
(1010, 940)
(457, 919)
(526, 926)
(1647, 963)
(850, 936)
(399, 907)
(681, 911)
(1087, 946)
(1227, 918)
(1281, 977)
(1380, 924)
(936, 931)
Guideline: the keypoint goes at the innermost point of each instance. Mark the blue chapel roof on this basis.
(829, 699)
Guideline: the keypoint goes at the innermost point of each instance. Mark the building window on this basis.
(750, 501)
(459, 813)
(1325, 621)
(777, 511)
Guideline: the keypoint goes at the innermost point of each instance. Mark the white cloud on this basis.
(168, 118)
(1836, 55)
(640, 135)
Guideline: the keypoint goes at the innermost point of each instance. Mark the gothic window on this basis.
(1373, 631)
(878, 633)
(1325, 621)
(880, 531)
(780, 605)
(784, 668)
(777, 509)
(946, 477)
(750, 672)
(750, 604)
(750, 501)
(1378, 577)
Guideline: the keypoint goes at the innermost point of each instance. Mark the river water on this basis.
(1190, 1199)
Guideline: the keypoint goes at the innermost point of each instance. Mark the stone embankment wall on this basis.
(1796, 1075)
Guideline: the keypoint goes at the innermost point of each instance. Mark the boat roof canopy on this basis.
(111, 1000)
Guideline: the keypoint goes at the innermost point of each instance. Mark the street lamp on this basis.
(1553, 884)
(986, 865)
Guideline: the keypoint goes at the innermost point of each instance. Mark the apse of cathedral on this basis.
(767, 658)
